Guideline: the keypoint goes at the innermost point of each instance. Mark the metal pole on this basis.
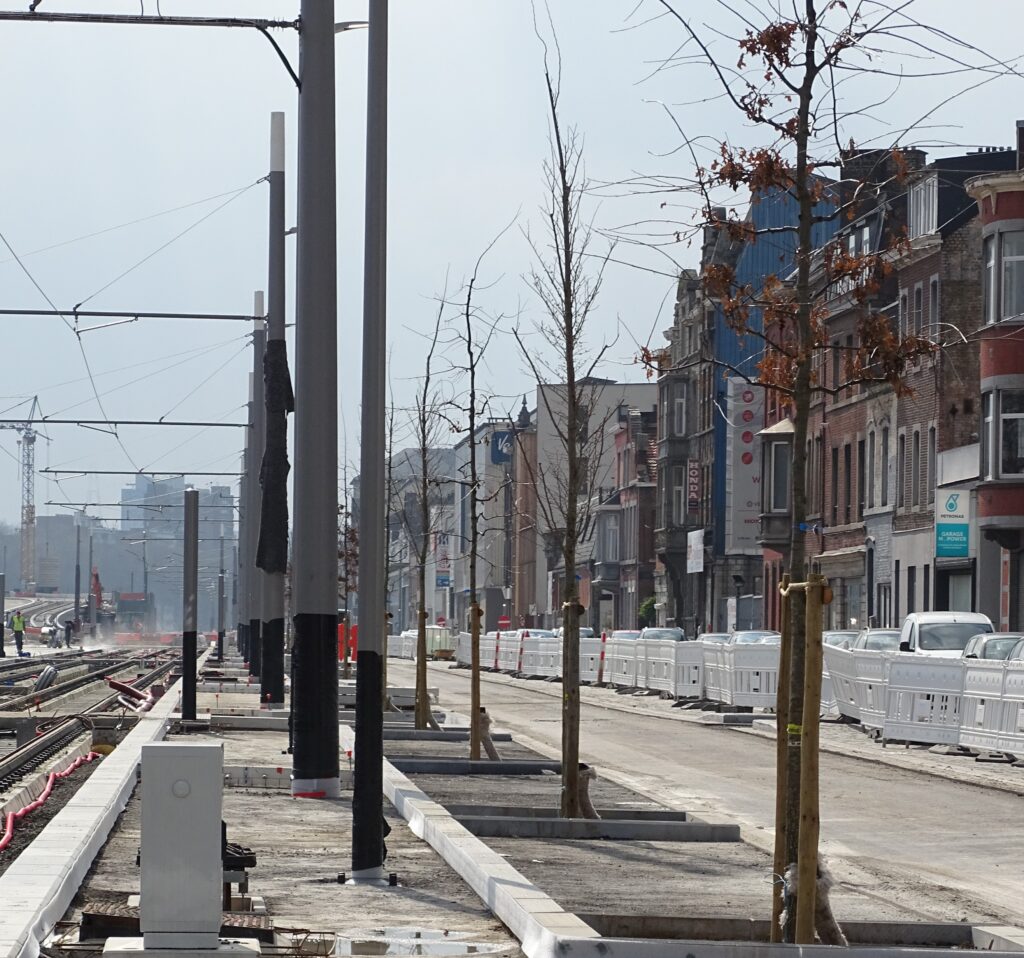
(315, 570)
(368, 784)
(190, 587)
(92, 595)
(78, 576)
(272, 549)
(221, 596)
(148, 623)
(257, 437)
(241, 577)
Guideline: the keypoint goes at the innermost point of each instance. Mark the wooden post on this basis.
(781, 765)
(807, 854)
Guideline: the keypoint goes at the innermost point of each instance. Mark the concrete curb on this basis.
(40, 885)
(536, 919)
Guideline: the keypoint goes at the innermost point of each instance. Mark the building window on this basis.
(932, 461)
(847, 482)
(779, 455)
(883, 472)
(1011, 432)
(986, 436)
(926, 588)
(865, 239)
(904, 321)
(871, 469)
(837, 368)
(1013, 274)
(835, 485)
(915, 470)
(679, 423)
(990, 279)
(611, 539)
(918, 309)
(901, 471)
(924, 202)
(861, 479)
(911, 589)
(678, 495)
(933, 308)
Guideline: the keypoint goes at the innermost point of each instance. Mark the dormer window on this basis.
(924, 206)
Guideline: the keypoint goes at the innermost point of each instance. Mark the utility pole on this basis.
(221, 597)
(254, 462)
(190, 588)
(241, 572)
(272, 549)
(368, 783)
(92, 595)
(78, 576)
(315, 767)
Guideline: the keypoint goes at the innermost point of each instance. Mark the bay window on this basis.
(989, 281)
(1013, 274)
(779, 460)
(1011, 432)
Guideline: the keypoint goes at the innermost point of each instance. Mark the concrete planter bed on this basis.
(508, 826)
(545, 811)
(417, 765)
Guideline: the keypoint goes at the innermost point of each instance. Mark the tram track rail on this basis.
(56, 734)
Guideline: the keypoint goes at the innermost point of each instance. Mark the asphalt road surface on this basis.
(946, 850)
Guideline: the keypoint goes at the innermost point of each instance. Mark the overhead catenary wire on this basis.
(162, 247)
(125, 225)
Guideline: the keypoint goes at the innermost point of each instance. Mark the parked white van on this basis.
(942, 634)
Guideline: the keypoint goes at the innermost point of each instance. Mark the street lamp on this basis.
(346, 25)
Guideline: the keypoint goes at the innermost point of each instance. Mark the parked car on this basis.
(942, 634)
(992, 645)
(532, 634)
(625, 634)
(1017, 652)
(877, 640)
(752, 637)
(585, 632)
(674, 635)
(713, 638)
(773, 638)
(843, 638)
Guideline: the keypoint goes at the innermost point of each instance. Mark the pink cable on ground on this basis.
(12, 817)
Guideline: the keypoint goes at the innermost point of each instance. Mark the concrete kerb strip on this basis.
(29, 791)
(37, 889)
(536, 919)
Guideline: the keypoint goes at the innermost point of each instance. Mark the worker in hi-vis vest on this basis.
(18, 628)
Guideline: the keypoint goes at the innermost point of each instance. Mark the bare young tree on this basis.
(567, 288)
(473, 330)
(420, 526)
(790, 86)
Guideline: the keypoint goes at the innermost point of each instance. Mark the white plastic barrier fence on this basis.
(842, 679)
(982, 707)
(1011, 737)
(659, 658)
(591, 658)
(621, 663)
(689, 671)
(508, 651)
(870, 681)
(829, 706)
(529, 656)
(751, 675)
(713, 662)
(402, 646)
(549, 657)
(923, 697)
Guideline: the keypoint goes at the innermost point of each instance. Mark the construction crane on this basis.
(28, 494)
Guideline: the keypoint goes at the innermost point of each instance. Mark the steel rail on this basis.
(16, 763)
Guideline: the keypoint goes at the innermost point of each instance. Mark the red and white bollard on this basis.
(600, 661)
(497, 645)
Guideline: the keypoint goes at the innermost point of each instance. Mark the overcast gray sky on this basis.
(103, 125)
